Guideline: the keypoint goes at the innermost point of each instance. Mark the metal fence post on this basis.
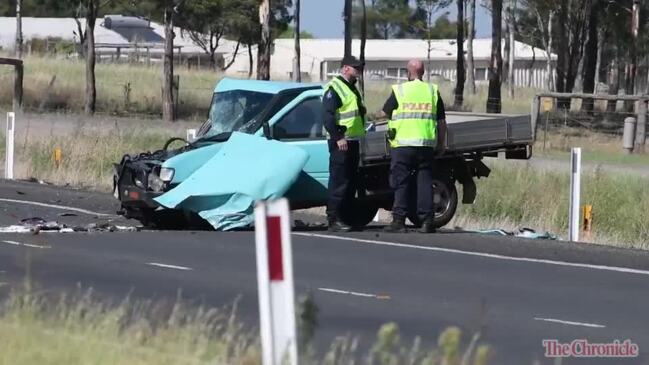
(641, 126)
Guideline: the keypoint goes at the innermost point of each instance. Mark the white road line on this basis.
(61, 207)
(170, 266)
(571, 323)
(364, 295)
(479, 254)
(25, 244)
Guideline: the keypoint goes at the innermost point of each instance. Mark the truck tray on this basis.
(466, 133)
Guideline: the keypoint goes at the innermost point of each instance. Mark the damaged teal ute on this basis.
(265, 139)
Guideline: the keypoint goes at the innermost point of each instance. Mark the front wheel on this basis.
(445, 203)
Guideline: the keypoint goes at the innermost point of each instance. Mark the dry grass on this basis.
(538, 198)
(596, 147)
(81, 329)
(125, 89)
(121, 88)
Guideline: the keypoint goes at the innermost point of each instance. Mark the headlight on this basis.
(155, 183)
(166, 174)
(139, 183)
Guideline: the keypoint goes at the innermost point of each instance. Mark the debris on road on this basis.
(36, 225)
(248, 168)
(522, 233)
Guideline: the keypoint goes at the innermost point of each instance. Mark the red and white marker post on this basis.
(275, 282)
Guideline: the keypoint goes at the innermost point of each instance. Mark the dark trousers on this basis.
(343, 177)
(410, 165)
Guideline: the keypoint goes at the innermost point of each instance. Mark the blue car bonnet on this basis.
(248, 168)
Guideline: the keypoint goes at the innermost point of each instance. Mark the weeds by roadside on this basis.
(525, 196)
(81, 329)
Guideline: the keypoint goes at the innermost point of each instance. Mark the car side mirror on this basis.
(268, 132)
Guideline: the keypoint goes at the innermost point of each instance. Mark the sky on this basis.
(323, 18)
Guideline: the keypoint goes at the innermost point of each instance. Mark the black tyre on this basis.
(445, 198)
(359, 214)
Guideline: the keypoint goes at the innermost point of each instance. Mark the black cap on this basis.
(353, 62)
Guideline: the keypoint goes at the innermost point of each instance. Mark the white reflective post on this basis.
(275, 282)
(9, 153)
(575, 192)
(191, 135)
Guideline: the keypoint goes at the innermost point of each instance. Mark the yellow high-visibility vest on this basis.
(349, 114)
(415, 119)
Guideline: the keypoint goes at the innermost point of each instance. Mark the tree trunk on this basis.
(496, 64)
(250, 60)
(263, 50)
(347, 18)
(505, 31)
(460, 72)
(562, 51)
(598, 65)
(234, 56)
(511, 21)
(469, 48)
(614, 81)
(547, 42)
(297, 75)
(167, 88)
(590, 58)
(633, 54)
(530, 69)
(19, 30)
(91, 90)
(363, 42)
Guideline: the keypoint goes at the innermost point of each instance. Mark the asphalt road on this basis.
(531, 290)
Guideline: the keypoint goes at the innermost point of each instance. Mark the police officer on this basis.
(344, 120)
(416, 131)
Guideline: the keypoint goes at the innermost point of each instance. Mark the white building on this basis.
(116, 37)
(386, 59)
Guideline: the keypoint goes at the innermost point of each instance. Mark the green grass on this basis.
(537, 198)
(81, 329)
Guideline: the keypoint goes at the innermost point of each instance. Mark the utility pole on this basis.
(297, 77)
(19, 30)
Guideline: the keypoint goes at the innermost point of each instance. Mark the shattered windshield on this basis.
(236, 111)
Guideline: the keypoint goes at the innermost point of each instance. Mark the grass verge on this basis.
(538, 198)
(81, 329)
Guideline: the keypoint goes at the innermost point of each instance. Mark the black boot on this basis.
(398, 225)
(428, 226)
(337, 225)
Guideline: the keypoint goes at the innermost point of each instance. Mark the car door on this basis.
(300, 124)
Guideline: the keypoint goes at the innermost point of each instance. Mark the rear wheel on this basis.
(445, 203)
